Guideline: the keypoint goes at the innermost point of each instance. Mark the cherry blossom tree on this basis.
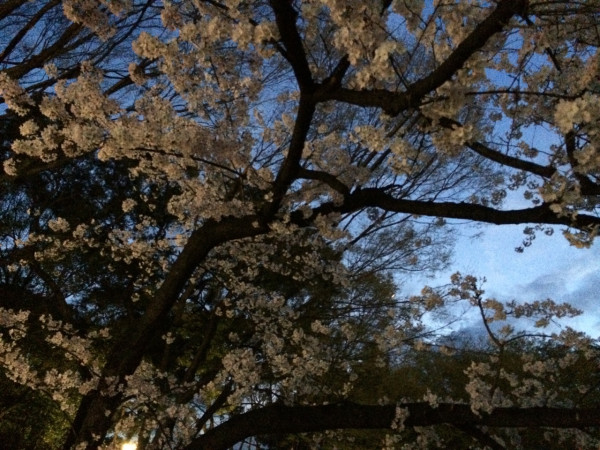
(204, 206)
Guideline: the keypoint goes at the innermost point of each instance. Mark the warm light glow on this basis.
(129, 446)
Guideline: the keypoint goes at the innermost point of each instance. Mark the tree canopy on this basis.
(207, 207)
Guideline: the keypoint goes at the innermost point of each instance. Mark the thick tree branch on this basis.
(374, 197)
(215, 406)
(327, 178)
(279, 419)
(285, 17)
(334, 80)
(291, 165)
(395, 102)
(468, 211)
(511, 161)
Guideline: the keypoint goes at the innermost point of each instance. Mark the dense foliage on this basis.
(206, 208)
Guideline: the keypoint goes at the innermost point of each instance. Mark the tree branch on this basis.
(327, 178)
(374, 197)
(285, 17)
(469, 211)
(291, 165)
(279, 419)
(496, 156)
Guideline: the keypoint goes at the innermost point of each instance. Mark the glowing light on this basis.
(129, 446)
